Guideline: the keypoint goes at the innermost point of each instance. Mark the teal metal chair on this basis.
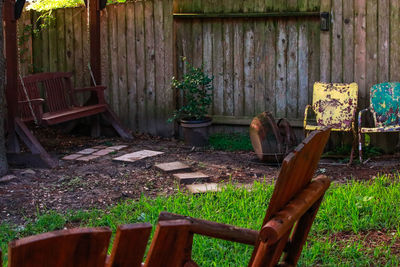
(384, 106)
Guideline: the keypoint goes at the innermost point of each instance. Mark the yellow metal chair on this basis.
(334, 105)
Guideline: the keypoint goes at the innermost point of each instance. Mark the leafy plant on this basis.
(197, 88)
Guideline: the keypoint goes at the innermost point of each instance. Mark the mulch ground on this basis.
(103, 182)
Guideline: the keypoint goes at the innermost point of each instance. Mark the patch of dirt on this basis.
(103, 182)
(370, 240)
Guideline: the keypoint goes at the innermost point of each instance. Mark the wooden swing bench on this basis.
(291, 212)
(58, 105)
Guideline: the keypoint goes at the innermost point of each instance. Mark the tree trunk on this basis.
(3, 112)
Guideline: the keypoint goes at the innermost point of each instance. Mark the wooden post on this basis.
(94, 38)
(10, 29)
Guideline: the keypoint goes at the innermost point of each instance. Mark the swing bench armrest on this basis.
(36, 101)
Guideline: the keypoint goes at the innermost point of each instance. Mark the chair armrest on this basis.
(360, 117)
(284, 220)
(216, 230)
(36, 101)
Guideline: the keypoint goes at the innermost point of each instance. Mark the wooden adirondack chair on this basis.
(86, 247)
(295, 199)
(385, 108)
(335, 106)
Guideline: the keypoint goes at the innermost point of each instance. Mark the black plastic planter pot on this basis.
(195, 133)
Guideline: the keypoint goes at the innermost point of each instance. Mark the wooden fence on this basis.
(259, 62)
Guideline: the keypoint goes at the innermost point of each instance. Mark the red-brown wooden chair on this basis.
(291, 212)
(86, 247)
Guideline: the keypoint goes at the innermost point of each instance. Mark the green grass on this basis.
(349, 209)
(231, 142)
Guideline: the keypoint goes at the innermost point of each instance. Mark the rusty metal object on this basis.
(271, 141)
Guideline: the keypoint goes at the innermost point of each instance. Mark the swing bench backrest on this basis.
(59, 102)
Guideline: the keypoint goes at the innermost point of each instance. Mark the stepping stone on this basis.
(204, 188)
(72, 157)
(100, 147)
(87, 151)
(191, 177)
(138, 155)
(88, 158)
(103, 152)
(175, 166)
(8, 178)
(117, 147)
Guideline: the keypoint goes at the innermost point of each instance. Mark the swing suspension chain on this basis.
(28, 100)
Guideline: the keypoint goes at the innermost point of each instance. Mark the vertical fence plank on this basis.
(228, 67)
(372, 45)
(61, 41)
(360, 50)
(383, 40)
(394, 40)
(325, 56)
(78, 49)
(337, 55)
(249, 69)
(348, 41)
(218, 67)
(140, 66)
(52, 46)
(259, 64)
(314, 5)
(45, 48)
(131, 66)
(69, 41)
(238, 74)
(303, 67)
(36, 43)
(113, 41)
(159, 41)
(270, 72)
(281, 87)
(85, 50)
(150, 67)
(314, 56)
(168, 94)
(122, 64)
(105, 71)
(292, 70)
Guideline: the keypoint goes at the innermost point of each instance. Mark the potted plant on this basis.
(196, 87)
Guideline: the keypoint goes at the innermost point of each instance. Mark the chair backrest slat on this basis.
(74, 247)
(130, 245)
(56, 90)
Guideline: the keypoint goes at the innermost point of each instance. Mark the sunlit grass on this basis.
(351, 208)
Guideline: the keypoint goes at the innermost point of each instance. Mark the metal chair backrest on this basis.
(385, 104)
(335, 104)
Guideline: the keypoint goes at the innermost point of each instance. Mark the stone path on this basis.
(138, 155)
(180, 172)
(89, 154)
(170, 167)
